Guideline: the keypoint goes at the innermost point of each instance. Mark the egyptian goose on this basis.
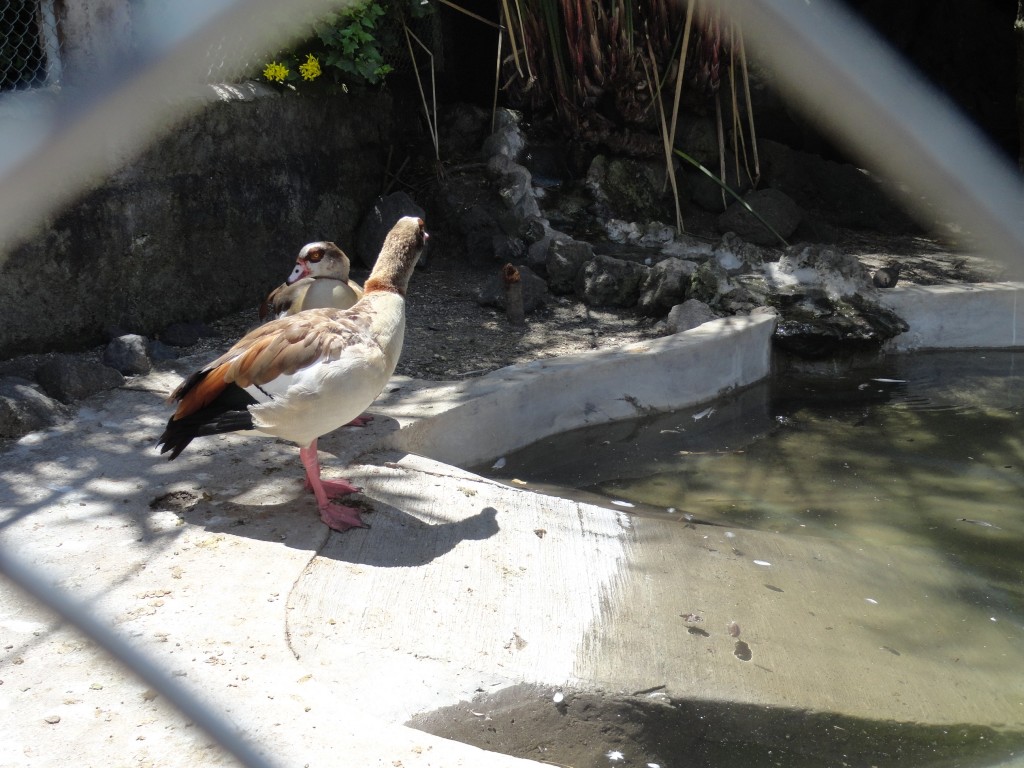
(304, 375)
(319, 280)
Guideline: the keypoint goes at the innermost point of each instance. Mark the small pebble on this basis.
(52, 719)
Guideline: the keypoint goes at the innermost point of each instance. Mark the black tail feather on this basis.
(228, 413)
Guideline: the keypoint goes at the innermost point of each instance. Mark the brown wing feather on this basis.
(279, 347)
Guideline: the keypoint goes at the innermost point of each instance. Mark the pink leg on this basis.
(336, 516)
(360, 421)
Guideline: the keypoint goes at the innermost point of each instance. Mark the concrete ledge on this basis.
(519, 405)
(958, 316)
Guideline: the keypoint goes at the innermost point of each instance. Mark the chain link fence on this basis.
(29, 44)
(874, 101)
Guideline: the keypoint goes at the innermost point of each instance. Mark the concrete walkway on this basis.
(320, 645)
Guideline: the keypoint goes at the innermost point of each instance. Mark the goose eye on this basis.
(315, 256)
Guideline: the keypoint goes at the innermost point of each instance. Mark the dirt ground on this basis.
(450, 336)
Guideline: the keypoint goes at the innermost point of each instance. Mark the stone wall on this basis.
(204, 222)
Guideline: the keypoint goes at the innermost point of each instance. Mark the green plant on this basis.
(352, 42)
(353, 45)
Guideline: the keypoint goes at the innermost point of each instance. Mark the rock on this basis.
(508, 249)
(628, 189)
(689, 248)
(742, 299)
(479, 229)
(776, 208)
(378, 222)
(25, 409)
(69, 378)
(665, 286)
(515, 187)
(128, 354)
(508, 138)
(708, 194)
(498, 166)
(535, 290)
(699, 135)
(620, 231)
(737, 256)
(886, 277)
(566, 258)
(606, 281)
(655, 234)
(841, 194)
(567, 208)
(463, 127)
(814, 324)
(689, 314)
(185, 334)
(838, 274)
(537, 254)
(709, 282)
(533, 229)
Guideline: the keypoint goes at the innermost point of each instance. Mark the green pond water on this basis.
(919, 450)
(923, 450)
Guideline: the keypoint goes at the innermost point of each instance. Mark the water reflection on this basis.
(921, 450)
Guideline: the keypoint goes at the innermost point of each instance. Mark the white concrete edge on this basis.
(521, 404)
(973, 315)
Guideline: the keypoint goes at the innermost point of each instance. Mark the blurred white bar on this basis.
(49, 155)
(848, 79)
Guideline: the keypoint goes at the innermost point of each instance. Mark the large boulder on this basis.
(709, 282)
(762, 218)
(128, 354)
(609, 282)
(25, 409)
(708, 193)
(515, 187)
(508, 138)
(68, 378)
(688, 315)
(628, 189)
(665, 285)
(838, 193)
(813, 324)
(566, 258)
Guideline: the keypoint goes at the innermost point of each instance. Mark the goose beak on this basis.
(300, 271)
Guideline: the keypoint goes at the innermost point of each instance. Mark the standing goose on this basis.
(304, 375)
(319, 281)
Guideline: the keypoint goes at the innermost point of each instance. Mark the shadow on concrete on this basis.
(595, 730)
(399, 540)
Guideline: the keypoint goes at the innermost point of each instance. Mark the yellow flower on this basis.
(311, 69)
(275, 72)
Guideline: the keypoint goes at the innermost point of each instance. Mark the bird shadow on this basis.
(397, 539)
(393, 537)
